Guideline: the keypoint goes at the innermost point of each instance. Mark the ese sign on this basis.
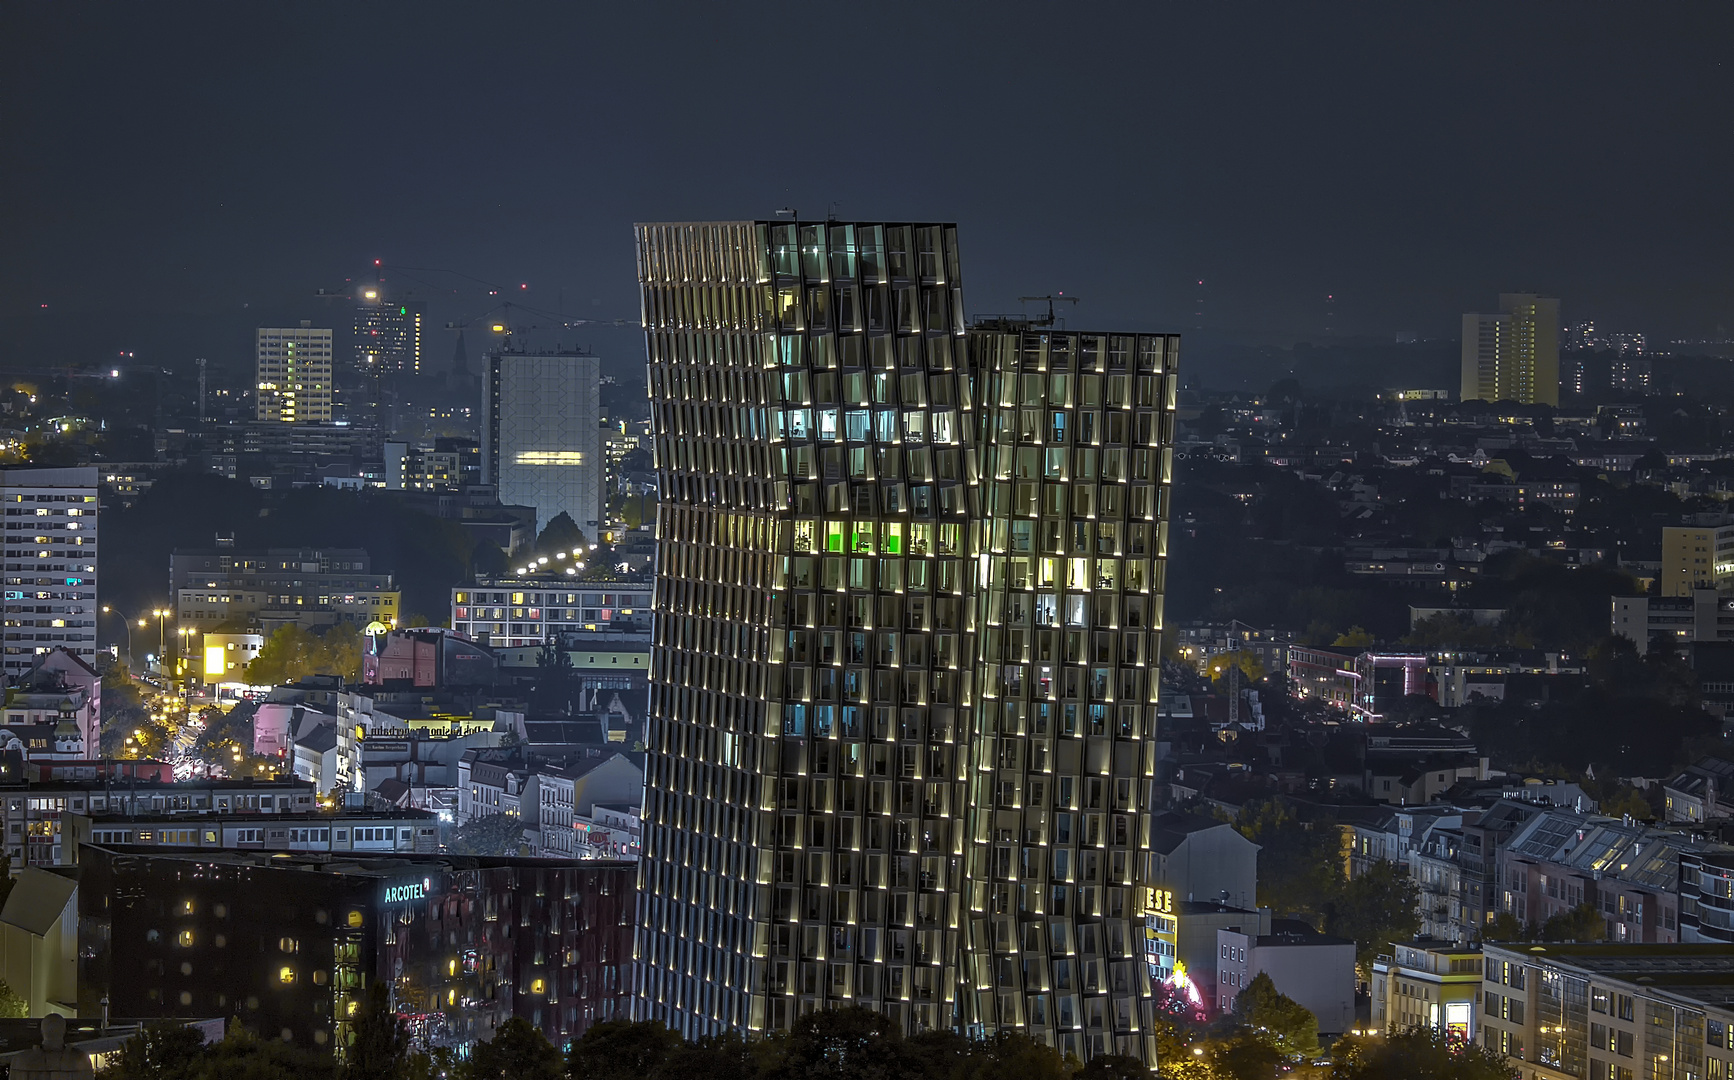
(1158, 901)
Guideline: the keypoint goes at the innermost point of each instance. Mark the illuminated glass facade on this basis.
(907, 619)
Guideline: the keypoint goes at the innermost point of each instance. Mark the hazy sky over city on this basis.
(1412, 160)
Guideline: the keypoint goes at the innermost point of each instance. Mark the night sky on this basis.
(171, 174)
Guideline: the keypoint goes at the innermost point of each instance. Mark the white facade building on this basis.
(50, 589)
(542, 435)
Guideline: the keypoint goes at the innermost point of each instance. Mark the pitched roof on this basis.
(1168, 831)
(38, 897)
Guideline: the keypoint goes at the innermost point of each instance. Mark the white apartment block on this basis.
(50, 589)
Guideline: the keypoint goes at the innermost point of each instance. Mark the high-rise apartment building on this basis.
(50, 597)
(542, 434)
(905, 648)
(1513, 355)
(294, 367)
(387, 334)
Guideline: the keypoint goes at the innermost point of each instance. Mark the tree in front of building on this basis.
(621, 1050)
(491, 834)
(1374, 909)
(163, 1050)
(1581, 924)
(1417, 1053)
(1289, 1026)
(1251, 667)
(292, 652)
(1300, 869)
(381, 1040)
(518, 1051)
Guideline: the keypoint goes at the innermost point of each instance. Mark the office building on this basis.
(1697, 557)
(542, 434)
(50, 593)
(387, 334)
(1513, 355)
(279, 587)
(1610, 1012)
(291, 943)
(294, 368)
(906, 636)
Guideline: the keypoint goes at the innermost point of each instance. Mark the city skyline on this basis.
(1334, 156)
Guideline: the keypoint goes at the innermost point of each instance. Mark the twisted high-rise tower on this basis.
(907, 641)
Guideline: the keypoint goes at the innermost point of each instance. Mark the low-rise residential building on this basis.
(428, 657)
(1427, 983)
(1674, 622)
(34, 813)
(1696, 794)
(1322, 675)
(1629, 873)
(525, 610)
(280, 587)
(59, 689)
(1194, 926)
(1203, 858)
(348, 832)
(613, 831)
(1316, 970)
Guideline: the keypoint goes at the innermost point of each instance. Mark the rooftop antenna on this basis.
(201, 363)
(1048, 319)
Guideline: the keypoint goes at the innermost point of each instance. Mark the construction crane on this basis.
(499, 320)
(1047, 320)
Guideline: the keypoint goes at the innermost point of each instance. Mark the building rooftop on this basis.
(369, 865)
(128, 784)
(1703, 973)
(183, 817)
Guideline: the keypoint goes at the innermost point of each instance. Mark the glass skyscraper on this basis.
(907, 641)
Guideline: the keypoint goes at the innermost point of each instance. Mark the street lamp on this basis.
(126, 624)
(162, 615)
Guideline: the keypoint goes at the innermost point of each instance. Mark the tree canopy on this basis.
(1291, 1027)
(491, 834)
(292, 652)
(1374, 909)
(1418, 1053)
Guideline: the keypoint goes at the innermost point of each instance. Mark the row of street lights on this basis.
(160, 614)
